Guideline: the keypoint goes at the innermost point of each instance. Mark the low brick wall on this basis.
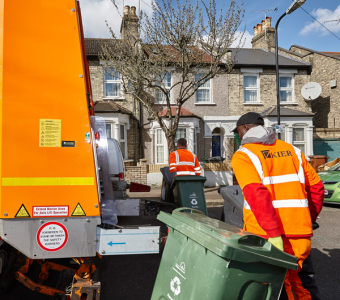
(218, 167)
(137, 173)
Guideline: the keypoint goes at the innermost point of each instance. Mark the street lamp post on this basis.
(295, 5)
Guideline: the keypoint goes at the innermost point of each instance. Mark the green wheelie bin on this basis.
(206, 259)
(189, 192)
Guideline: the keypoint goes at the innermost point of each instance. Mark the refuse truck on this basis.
(56, 195)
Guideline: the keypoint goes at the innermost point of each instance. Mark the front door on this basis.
(216, 145)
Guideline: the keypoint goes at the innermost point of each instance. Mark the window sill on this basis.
(205, 104)
(289, 103)
(114, 98)
(252, 103)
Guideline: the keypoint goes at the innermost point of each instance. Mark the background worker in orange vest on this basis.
(283, 194)
(183, 162)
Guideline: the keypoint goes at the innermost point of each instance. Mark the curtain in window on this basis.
(286, 96)
(298, 135)
(159, 147)
(250, 88)
(166, 81)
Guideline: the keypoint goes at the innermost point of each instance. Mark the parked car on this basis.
(331, 182)
(116, 169)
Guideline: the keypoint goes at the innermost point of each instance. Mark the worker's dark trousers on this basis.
(306, 276)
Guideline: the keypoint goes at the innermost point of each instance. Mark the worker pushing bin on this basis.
(189, 192)
(207, 259)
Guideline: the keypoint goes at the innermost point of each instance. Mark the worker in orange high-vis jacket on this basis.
(183, 162)
(282, 192)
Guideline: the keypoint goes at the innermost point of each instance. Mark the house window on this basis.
(122, 139)
(164, 83)
(180, 133)
(251, 88)
(112, 84)
(203, 92)
(159, 147)
(286, 88)
(108, 131)
(299, 139)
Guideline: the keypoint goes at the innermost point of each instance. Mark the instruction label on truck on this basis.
(50, 133)
(52, 236)
(50, 211)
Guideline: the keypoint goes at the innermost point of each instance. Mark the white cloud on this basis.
(246, 39)
(322, 15)
(96, 12)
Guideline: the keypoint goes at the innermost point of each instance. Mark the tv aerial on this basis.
(265, 11)
(311, 90)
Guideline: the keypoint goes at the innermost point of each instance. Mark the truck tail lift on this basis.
(56, 197)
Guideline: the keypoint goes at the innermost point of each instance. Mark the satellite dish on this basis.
(311, 90)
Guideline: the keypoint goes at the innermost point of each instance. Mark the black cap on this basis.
(249, 118)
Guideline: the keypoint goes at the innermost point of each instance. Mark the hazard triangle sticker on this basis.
(22, 212)
(78, 211)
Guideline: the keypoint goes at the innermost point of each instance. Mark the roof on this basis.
(183, 114)
(337, 54)
(285, 112)
(93, 46)
(262, 58)
(111, 107)
(314, 51)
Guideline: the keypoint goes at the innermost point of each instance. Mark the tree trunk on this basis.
(171, 143)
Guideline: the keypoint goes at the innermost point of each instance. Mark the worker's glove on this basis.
(277, 242)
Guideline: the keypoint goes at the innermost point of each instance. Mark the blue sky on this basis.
(297, 28)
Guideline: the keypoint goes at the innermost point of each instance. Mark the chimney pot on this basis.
(126, 9)
(259, 28)
(255, 30)
(133, 10)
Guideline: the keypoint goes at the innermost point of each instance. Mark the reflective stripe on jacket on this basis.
(183, 162)
(280, 168)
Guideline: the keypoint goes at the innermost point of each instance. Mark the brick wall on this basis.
(133, 140)
(137, 173)
(267, 92)
(324, 69)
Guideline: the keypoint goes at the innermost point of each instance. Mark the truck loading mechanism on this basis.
(56, 198)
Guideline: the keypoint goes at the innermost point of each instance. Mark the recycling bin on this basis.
(232, 212)
(189, 192)
(208, 259)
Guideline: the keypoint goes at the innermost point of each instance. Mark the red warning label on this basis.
(50, 211)
(52, 236)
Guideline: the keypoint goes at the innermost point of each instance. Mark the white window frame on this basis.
(162, 144)
(123, 140)
(257, 89)
(204, 88)
(186, 134)
(161, 94)
(119, 81)
(288, 89)
(194, 141)
(304, 142)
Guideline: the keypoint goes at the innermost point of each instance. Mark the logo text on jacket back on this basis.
(269, 154)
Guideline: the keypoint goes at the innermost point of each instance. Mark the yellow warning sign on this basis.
(50, 133)
(78, 211)
(22, 212)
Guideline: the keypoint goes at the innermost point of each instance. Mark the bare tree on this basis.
(187, 40)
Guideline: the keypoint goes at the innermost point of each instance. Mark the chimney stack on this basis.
(129, 28)
(264, 35)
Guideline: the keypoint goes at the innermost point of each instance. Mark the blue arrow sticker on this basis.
(111, 244)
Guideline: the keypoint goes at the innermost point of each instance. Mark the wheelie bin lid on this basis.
(225, 240)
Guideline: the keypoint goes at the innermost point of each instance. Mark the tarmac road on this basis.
(132, 277)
